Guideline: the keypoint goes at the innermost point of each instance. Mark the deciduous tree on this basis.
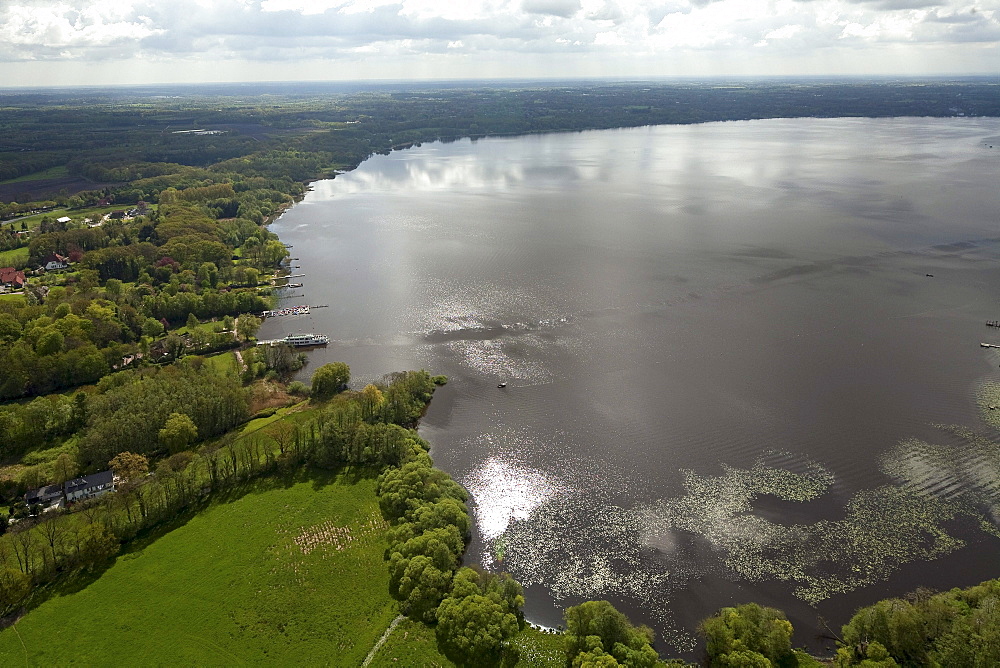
(129, 466)
(178, 432)
(614, 634)
(736, 634)
(330, 379)
(247, 326)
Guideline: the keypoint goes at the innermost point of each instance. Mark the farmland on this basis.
(288, 571)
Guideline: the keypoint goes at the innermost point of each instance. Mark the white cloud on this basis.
(784, 32)
(161, 39)
(562, 8)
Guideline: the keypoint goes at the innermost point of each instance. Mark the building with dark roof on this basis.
(90, 486)
(77, 489)
(44, 496)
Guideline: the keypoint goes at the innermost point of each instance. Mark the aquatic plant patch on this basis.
(582, 545)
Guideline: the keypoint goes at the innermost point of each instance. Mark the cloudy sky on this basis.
(56, 42)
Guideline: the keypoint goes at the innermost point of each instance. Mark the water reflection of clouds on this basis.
(967, 474)
(459, 172)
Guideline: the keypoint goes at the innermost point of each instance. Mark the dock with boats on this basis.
(288, 310)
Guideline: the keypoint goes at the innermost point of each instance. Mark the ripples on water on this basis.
(723, 349)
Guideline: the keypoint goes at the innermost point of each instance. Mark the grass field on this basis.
(223, 363)
(78, 215)
(50, 173)
(413, 645)
(9, 257)
(289, 573)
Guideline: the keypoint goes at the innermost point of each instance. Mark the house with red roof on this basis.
(11, 279)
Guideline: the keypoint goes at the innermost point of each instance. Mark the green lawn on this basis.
(9, 257)
(51, 173)
(223, 363)
(290, 573)
(413, 645)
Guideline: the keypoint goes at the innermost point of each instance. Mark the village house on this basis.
(55, 262)
(11, 279)
(91, 486)
(78, 489)
(44, 496)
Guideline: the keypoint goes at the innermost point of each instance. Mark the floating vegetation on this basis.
(988, 399)
(581, 545)
(577, 543)
(499, 548)
(881, 529)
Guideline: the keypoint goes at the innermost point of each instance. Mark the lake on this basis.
(741, 359)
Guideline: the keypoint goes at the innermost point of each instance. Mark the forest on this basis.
(138, 217)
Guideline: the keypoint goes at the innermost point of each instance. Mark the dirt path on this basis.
(381, 641)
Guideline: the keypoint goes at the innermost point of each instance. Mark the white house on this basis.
(55, 262)
(78, 489)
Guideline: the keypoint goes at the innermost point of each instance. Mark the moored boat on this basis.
(300, 340)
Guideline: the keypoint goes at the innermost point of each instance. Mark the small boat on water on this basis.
(502, 385)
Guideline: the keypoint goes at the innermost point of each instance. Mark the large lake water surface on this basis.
(735, 354)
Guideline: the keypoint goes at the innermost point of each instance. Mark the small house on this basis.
(91, 486)
(44, 496)
(64, 219)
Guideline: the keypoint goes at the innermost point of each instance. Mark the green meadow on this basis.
(287, 572)
(9, 257)
(50, 173)
(413, 644)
